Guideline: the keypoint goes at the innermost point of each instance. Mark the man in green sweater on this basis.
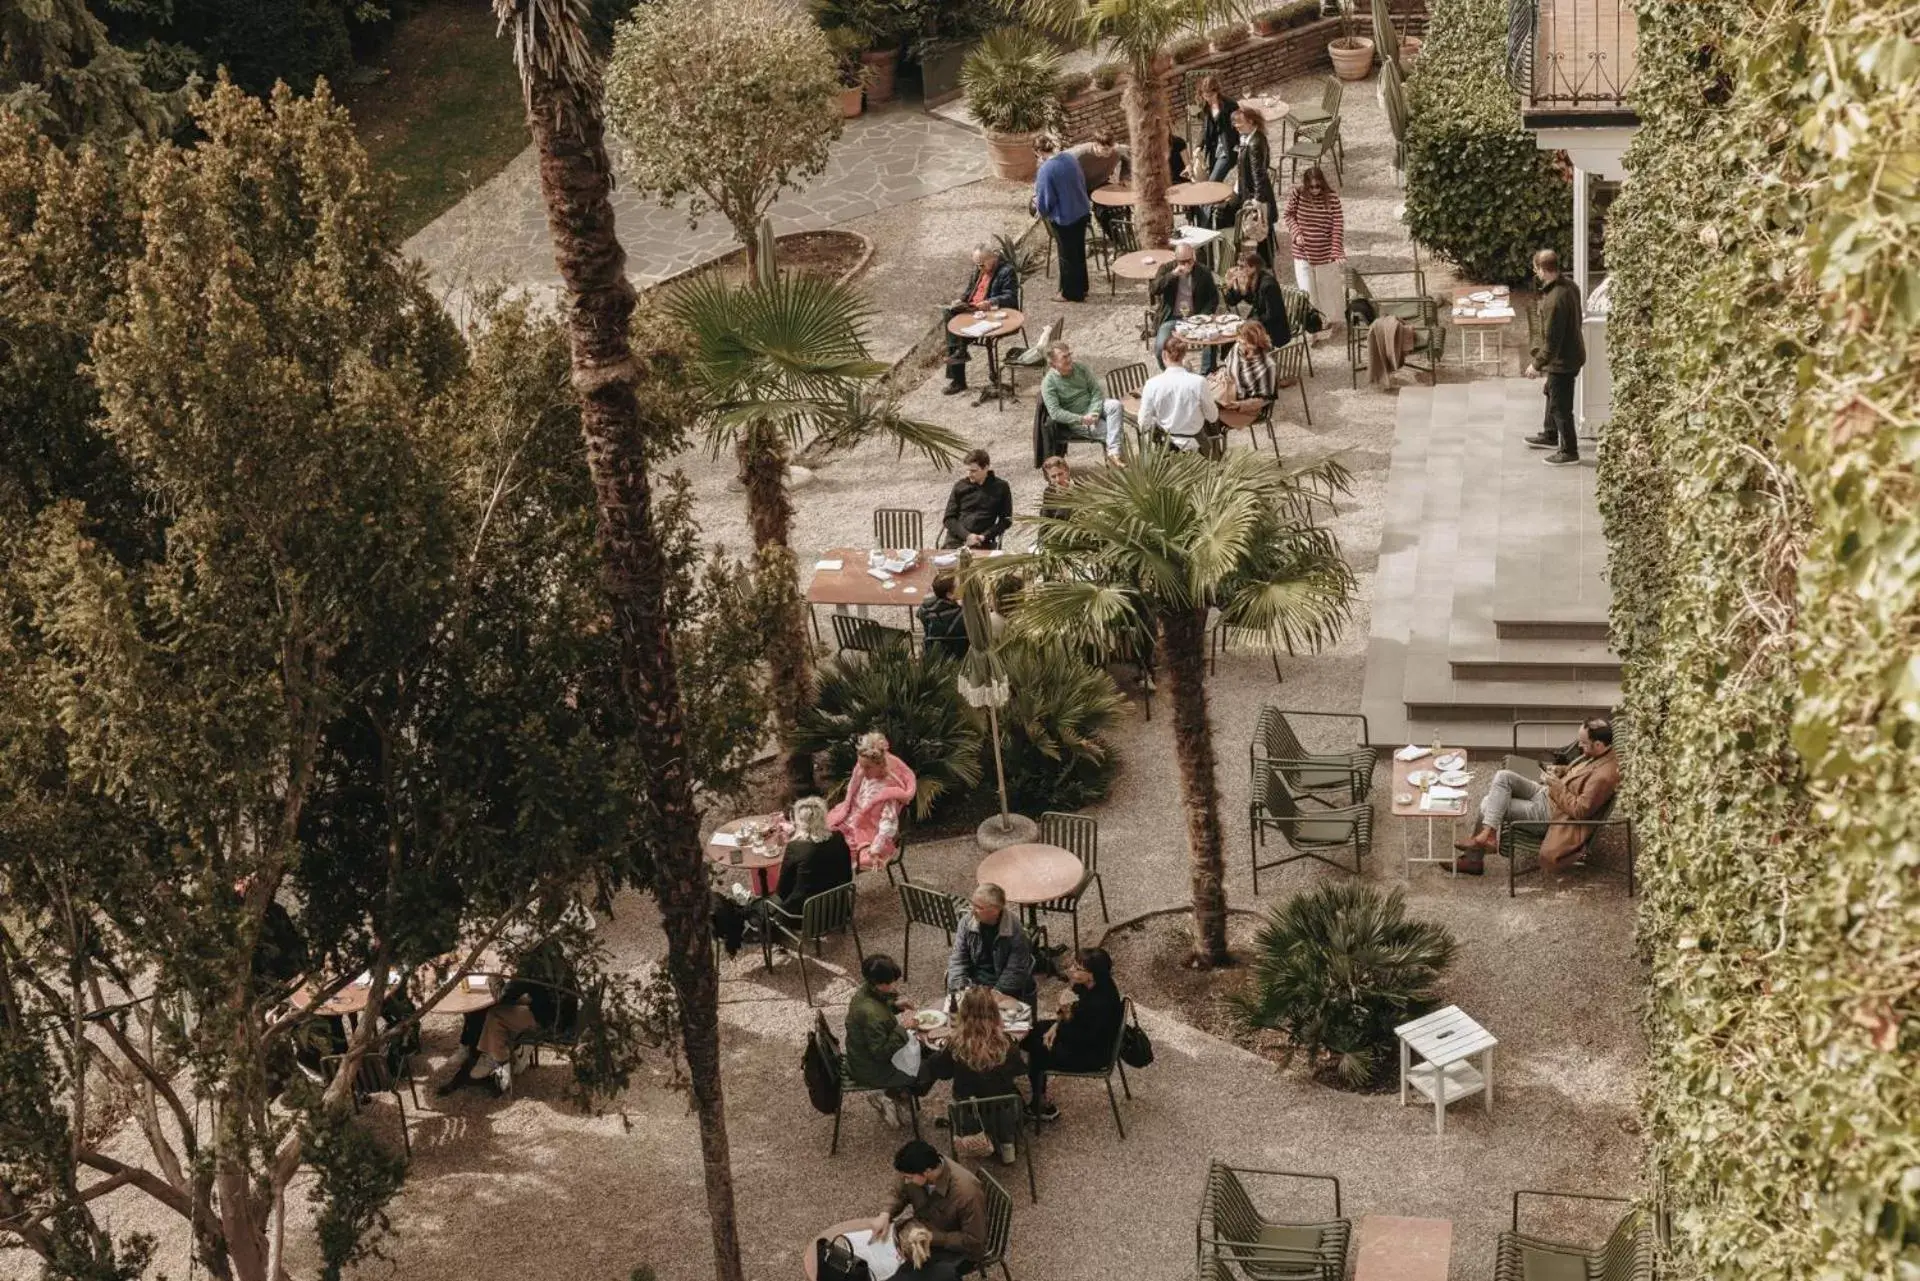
(1077, 406)
(875, 1035)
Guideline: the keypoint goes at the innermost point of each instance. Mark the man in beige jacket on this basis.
(1579, 791)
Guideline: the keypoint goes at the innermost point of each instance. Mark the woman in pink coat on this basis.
(869, 814)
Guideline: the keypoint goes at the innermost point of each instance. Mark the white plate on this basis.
(927, 1020)
(1421, 777)
(1456, 778)
(1452, 760)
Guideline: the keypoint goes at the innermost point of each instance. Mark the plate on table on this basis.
(1456, 778)
(1422, 777)
(929, 1020)
(1450, 761)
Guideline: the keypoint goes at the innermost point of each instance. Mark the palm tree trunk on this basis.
(1145, 101)
(1184, 639)
(762, 452)
(575, 179)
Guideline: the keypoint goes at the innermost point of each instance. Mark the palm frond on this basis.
(551, 42)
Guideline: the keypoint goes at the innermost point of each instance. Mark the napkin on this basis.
(980, 328)
(478, 982)
(1411, 752)
(829, 564)
(1441, 792)
(725, 840)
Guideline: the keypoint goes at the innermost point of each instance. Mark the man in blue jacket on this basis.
(1060, 196)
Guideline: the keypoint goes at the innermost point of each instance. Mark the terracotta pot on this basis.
(1012, 155)
(880, 65)
(1351, 61)
(850, 101)
(1409, 51)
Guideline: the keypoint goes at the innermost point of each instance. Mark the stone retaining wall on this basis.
(1263, 61)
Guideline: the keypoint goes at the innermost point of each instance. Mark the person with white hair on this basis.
(814, 861)
(869, 814)
(991, 948)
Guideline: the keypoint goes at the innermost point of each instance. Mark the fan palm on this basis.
(559, 56)
(1136, 31)
(779, 363)
(1165, 540)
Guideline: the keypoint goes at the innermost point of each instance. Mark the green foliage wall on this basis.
(1759, 491)
(1479, 192)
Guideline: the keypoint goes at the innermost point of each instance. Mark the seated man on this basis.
(814, 861)
(991, 285)
(991, 948)
(980, 508)
(945, 1198)
(1059, 478)
(1184, 287)
(543, 983)
(1078, 408)
(875, 1035)
(943, 620)
(1577, 792)
(1178, 402)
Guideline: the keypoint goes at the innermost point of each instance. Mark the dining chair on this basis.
(1079, 834)
(898, 528)
(921, 905)
(1290, 362)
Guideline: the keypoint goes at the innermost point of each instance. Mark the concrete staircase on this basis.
(1490, 600)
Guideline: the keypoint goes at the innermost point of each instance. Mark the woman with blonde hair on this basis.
(982, 1061)
(868, 816)
(814, 861)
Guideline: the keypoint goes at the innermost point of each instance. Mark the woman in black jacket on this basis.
(981, 1060)
(1082, 1038)
(1253, 173)
(1219, 144)
(1252, 283)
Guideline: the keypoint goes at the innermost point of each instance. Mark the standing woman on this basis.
(1252, 283)
(1219, 145)
(1253, 174)
(1316, 232)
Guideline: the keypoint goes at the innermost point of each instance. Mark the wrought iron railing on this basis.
(1573, 54)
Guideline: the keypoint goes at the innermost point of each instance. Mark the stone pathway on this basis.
(885, 159)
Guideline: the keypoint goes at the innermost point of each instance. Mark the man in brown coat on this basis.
(1577, 792)
(948, 1200)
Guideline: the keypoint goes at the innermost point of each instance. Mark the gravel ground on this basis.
(510, 1188)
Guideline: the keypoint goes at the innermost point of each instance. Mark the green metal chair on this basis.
(375, 1075)
(1121, 239)
(1276, 745)
(898, 528)
(1332, 89)
(1519, 841)
(1314, 836)
(1289, 363)
(1627, 1254)
(1232, 1228)
(1314, 143)
(999, 1229)
(1128, 1017)
(1080, 834)
(864, 636)
(1002, 1116)
(923, 906)
(834, 1057)
(1418, 311)
(1298, 305)
(820, 915)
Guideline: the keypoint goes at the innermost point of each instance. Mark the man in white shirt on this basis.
(1177, 400)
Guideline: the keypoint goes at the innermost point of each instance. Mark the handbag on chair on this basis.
(835, 1261)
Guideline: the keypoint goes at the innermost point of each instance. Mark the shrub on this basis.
(1071, 85)
(1479, 192)
(1188, 48)
(1053, 728)
(1229, 37)
(1107, 75)
(915, 702)
(1336, 970)
(1009, 80)
(1287, 16)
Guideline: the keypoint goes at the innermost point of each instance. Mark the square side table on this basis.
(1446, 1040)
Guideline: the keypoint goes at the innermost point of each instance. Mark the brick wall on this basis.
(1261, 63)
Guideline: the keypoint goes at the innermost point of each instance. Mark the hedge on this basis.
(1758, 485)
(1479, 191)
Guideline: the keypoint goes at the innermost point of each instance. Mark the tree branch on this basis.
(148, 1182)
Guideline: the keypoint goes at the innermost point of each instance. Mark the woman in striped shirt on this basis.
(1249, 377)
(1316, 232)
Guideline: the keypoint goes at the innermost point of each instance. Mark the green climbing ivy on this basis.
(1758, 483)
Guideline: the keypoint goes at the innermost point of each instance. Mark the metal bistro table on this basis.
(999, 324)
(1142, 264)
(1112, 197)
(1412, 808)
(841, 579)
(1446, 1039)
(762, 869)
(1031, 874)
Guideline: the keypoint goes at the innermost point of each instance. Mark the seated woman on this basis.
(815, 860)
(1249, 378)
(869, 814)
(540, 993)
(875, 1035)
(982, 1061)
(1252, 283)
(1082, 1037)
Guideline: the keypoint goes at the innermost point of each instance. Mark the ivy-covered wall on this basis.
(1760, 492)
(1479, 191)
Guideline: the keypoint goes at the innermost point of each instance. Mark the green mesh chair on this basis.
(1298, 305)
(864, 636)
(999, 1229)
(1306, 113)
(1627, 1254)
(1520, 842)
(1128, 1018)
(834, 1057)
(1310, 774)
(1291, 1248)
(823, 914)
(898, 528)
(923, 906)
(1316, 835)
(1080, 835)
(1416, 310)
(1002, 1117)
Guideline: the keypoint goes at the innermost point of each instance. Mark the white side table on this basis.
(1446, 1039)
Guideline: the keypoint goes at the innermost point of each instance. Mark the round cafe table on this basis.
(1192, 195)
(809, 1258)
(1031, 873)
(468, 999)
(1008, 320)
(1142, 264)
(1112, 197)
(761, 868)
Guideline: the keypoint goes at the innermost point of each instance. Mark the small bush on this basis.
(1336, 970)
(1009, 80)
(1053, 728)
(1287, 16)
(1107, 75)
(1188, 48)
(1229, 37)
(1071, 85)
(1479, 192)
(915, 703)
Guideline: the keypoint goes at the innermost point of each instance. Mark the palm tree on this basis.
(560, 62)
(1137, 31)
(781, 362)
(1166, 540)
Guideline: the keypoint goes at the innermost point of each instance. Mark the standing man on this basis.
(1182, 288)
(980, 508)
(1178, 401)
(1078, 407)
(945, 1198)
(991, 285)
(1060, 196)
(1560, 354)
(1103, 161)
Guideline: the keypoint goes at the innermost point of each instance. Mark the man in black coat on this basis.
(1184, 287)
(980, 508)
(943, 620)
(1560, 354)
(992, 285)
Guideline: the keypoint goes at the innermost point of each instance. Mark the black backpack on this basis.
(822, 1070)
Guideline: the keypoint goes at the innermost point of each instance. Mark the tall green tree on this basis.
(1158, 545)
(60, 71)
(780, 363)
(632, 413)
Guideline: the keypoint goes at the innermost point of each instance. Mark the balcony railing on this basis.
(1572, 56)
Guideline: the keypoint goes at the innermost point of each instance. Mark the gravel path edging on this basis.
(1134, 922)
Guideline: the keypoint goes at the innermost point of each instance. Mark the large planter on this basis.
(850, 101)
(1353, 59)
(940, 73)
(1409, 51)
(881, 64)
(1012, 155)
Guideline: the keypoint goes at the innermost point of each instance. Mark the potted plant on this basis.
(1107, 75)
(1009, 79)
(847, 46)
(944, 33)
(1352, 54)
(1227, 38)
(881, 25)
(1188, 49)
